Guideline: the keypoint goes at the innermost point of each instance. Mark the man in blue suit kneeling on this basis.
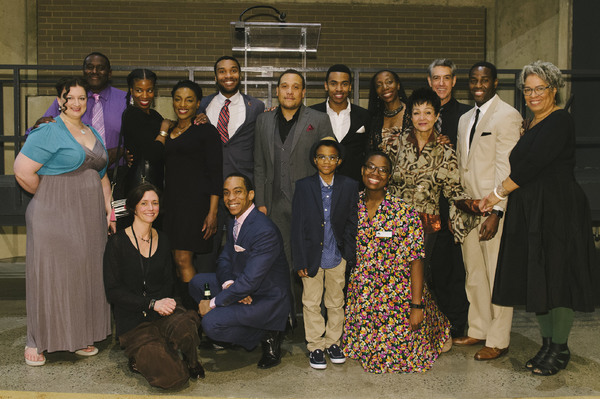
(251, 286)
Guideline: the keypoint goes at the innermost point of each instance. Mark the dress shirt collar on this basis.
(235, 99)
(104, 94)
(484, 107)
(294, 118)
(342, 112)
(323, 184)
(240, 219)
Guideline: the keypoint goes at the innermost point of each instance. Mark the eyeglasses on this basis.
(528, 91)
(323, 158)
(381, 169)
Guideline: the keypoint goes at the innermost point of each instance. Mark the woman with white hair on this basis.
(546, 256)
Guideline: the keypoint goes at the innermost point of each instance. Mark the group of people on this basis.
(391, 217)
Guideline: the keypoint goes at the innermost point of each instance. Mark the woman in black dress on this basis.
(546, 256)
(138, 278)
(193, 183)
(144, 131)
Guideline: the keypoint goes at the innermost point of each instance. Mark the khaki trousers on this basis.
(486, 321)
(331, 281)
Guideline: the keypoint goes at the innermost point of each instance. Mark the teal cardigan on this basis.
(52, 145)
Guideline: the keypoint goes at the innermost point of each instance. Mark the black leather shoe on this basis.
(271, 350)
(196, 372)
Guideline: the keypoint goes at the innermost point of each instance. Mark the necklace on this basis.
(393, 112)
(75, 126)
(179, 131)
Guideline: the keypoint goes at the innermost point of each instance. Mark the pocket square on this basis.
(309, 128)
(238, 248)
(486, 133)
(361, 130)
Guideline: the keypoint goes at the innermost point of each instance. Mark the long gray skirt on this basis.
(66, 235)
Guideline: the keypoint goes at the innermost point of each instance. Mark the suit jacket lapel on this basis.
(271, 131)
(247, 226)
(482, 125)
(248, 110)
(315, 187)
(300, 126)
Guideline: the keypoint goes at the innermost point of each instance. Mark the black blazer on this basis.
(307, 221)
(355, 144)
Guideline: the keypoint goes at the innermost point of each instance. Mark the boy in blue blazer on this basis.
(324, 219)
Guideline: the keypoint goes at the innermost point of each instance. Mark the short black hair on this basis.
(66, 83)
(99, 55)
(227, 57)
(424, 95)
(195, 87)
(326, 142)
(246, 179)
(137, 193)
(292, 71)
(485, 64)
(381, 154)
(338, 68)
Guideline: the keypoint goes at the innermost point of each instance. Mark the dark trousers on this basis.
(221, 323)
(155, 347)
(448, 280)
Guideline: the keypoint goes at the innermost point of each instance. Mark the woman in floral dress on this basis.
(391, 325)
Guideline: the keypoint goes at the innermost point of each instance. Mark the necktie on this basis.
(98, 117)
(438, 123)
(224, 122)
(236, 229)
(473, 128)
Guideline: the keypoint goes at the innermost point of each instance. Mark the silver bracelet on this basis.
(498, 195)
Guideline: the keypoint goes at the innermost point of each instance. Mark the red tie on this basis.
(224, 122)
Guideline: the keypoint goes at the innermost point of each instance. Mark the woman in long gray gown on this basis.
(64, 165)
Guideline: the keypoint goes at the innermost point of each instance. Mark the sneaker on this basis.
(317, 359)
(336, 355)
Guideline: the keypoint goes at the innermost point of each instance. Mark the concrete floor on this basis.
(233, 373)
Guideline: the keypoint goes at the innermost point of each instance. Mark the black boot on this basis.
(271, 350)
(534, 361)
(555, 360)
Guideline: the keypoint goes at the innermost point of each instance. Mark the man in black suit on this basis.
(447, 267)
(348, 121)
(238, 113)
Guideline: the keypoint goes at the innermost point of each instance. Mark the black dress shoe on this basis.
(271, 350)
(196, 372)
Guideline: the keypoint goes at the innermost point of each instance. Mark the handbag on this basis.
(118, 205)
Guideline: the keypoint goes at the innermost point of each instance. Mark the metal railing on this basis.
(260, 82)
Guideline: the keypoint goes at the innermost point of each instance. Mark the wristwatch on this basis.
(498, 213)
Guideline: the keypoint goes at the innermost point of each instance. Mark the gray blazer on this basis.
(311, 127)
(238, 152)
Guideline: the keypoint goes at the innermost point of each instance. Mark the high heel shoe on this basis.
(534, 361)
(555, 360)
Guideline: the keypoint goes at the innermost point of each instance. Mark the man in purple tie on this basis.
(105, 103)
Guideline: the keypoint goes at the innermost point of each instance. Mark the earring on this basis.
(59, 109)
(130, 100)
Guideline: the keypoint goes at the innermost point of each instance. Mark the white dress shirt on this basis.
(340, 123)
(237, 111)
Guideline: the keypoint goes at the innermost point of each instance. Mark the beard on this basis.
(227, 91)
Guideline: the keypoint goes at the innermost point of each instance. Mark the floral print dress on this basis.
(377, 328)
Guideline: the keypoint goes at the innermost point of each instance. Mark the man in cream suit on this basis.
(486, 136)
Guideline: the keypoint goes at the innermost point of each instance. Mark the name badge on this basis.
(383, 234)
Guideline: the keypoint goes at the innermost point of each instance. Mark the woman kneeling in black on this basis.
(138, 278)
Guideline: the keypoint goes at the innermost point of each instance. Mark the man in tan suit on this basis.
(486, 136)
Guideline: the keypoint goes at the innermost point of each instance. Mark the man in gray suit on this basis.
(283, 139)
(234, 115)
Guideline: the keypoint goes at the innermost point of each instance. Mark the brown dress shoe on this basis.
(487, 353)
(466, 340)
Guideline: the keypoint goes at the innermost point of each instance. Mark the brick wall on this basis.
(177, 33)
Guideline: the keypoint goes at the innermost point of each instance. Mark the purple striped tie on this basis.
(98, 117)
(224, 122)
